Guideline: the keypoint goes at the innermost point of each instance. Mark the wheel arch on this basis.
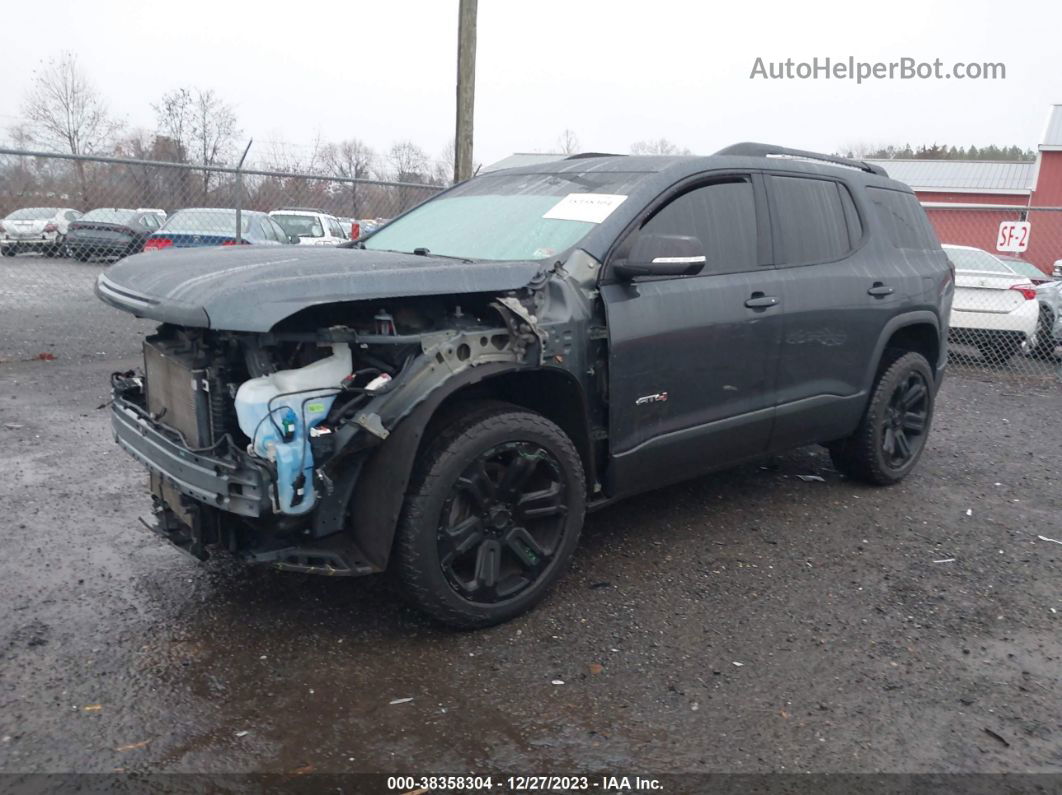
(912, 331)
(380, 490)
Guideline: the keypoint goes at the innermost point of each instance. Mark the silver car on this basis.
(40, 229)
(1049, 295)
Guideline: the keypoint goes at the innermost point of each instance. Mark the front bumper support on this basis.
(231, 482)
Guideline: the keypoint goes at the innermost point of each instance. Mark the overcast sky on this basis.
(614, 72)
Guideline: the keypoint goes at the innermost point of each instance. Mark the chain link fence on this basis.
(1006, 318)
(101, 208)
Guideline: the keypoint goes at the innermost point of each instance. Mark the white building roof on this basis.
(1052, 137)
(963, 176)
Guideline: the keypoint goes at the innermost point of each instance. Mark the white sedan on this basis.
(312, 227)
(40, 229)
(994, 308)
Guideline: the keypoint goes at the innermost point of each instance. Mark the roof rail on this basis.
(750, 149)
(302, 210)
(581, 155)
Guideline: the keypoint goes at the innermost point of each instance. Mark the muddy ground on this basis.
(748, 621)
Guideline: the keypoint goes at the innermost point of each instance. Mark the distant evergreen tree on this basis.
(944, 152)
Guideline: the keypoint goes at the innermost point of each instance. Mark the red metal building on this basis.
(966, 199)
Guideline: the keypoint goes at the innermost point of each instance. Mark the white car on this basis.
(312, 227)
(994, 308)
(40, 229)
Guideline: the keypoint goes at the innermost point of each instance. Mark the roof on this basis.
(522, 159)
(1052, 138)
(963, 176)
(646, 177)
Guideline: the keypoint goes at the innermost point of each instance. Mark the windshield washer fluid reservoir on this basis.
(277, 411)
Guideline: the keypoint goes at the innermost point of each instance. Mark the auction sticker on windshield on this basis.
(588, 207)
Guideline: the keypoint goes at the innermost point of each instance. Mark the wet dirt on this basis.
(747, 621)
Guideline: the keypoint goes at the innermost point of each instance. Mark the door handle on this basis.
(761, 301)
(879, 290)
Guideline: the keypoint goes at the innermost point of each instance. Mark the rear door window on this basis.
(814, 219)
(904, 219)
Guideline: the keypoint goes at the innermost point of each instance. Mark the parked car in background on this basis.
(351, 228)
(311, 227)
(110, 232)
(205, 226)
(370, 225)
(40, 229)
(995, 309)
(1023, 268)
(1056, 270)
(1049, 295)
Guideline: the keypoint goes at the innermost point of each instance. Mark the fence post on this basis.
(239, 193)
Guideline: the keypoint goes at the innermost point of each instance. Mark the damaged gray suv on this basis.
(449, 396)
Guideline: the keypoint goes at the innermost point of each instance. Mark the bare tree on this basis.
(201, 127)
(409, 162)
(568, 142)
(658, 146)
(350, 159)
(173, 116)
(65, 111)
(442, 172)
(214, 131)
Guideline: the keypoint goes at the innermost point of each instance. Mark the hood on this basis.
(252, 289)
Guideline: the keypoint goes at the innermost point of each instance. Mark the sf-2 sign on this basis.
(1013, 236)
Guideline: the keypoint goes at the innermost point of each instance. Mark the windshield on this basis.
(206, 222)
(109, 216)
(33, 214)
(301, 225)
(509, 217)
(973, 259)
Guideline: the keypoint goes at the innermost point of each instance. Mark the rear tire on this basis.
(892, 434)
(492, 517)
(1045, 342)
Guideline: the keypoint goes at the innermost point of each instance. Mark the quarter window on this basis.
(722, 216)
(904, 219)
(814, 218)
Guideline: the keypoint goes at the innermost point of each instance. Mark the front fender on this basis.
(380, 489)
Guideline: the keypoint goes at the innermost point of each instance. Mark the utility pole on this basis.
(466, 88)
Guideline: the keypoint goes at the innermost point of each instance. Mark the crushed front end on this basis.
(254, 441)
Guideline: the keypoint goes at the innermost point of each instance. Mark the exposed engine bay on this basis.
(269, 431)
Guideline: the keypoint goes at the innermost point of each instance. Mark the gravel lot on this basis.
(748, 621)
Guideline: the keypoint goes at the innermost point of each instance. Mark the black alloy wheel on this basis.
(502, 522)
(492, 514)
(892, 434)
(905, 420)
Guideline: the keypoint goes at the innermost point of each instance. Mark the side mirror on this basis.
(662, 255)
(293, 239)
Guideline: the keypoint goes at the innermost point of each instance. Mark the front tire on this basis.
(492, 517)
(892, 434)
